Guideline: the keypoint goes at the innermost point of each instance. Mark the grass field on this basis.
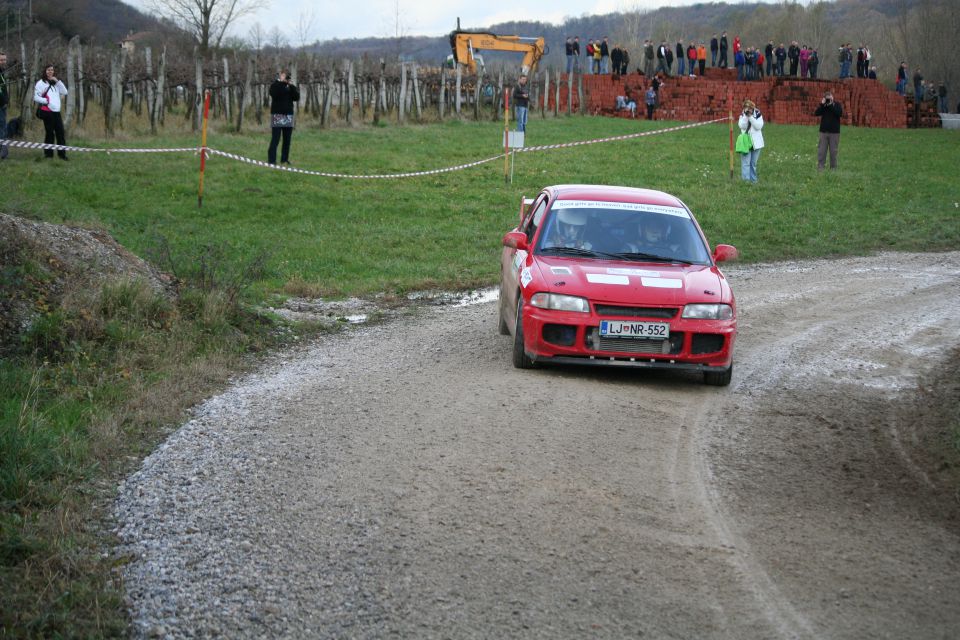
(85, 398)
(896, 189)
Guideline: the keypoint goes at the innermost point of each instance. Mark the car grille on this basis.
(635, 312)
(634, 345)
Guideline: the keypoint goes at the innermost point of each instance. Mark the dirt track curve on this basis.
(406, 481)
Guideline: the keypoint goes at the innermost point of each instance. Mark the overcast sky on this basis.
(418, 17)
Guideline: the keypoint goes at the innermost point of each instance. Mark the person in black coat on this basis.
(283, 94)
(830, 113)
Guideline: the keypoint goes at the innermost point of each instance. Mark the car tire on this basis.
(520, 358)
(718, 378)
(502, 327)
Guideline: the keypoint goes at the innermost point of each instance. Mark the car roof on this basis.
(613, 194)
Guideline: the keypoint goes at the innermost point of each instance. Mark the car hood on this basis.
(632, 282)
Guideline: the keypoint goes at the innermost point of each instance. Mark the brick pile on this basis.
(866, 103)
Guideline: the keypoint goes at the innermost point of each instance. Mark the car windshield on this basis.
(621, 231)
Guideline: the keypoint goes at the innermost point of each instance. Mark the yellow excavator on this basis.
(465, 43)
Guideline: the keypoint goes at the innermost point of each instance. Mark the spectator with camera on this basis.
(751, 122)
(48, 93)
(283, 94)
(830, 112)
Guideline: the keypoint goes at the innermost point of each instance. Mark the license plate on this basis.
(654, 330)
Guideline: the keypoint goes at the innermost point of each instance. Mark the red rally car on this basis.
(601, 275)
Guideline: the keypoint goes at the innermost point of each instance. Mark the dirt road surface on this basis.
(405, 480)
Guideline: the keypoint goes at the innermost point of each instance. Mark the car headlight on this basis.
(708, 312)
(559, 302)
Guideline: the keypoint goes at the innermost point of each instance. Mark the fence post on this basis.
(459, 84)
(116, 91)
(416, 94)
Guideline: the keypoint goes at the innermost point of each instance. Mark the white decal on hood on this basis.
(525, 277)
(643, 273)
(662, 283)
(603, 278)
(560, 271)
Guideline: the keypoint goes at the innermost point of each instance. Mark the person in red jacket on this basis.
(736, 44)
(692, 58)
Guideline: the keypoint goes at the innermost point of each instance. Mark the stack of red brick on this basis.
(866, 103)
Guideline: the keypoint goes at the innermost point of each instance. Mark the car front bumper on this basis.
(571, 338)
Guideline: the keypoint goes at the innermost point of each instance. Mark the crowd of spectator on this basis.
(665, 60)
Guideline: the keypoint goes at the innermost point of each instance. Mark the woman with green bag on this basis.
(750, 140)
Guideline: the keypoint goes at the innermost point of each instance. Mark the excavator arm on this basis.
(464, 43)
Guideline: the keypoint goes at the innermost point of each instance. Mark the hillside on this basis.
(97, 21)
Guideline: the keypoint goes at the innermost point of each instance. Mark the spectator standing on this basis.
(662, 59)
(692, 58)
(4, 101)
(942, 95)
(768, 55)
(576, 53)
(902, 78)
(616, 58)
(781, 55)
(702, 57)
(751, 122)
(917, 85)
(48, 93)
(813, 63)
(723, 51)
(283, 94)
(794, 54)
(668, 53)
(804, 60)
(521, 101)
(651, 100)
(597, 57)
(861, 62)
(568, 47)
(681, 58)
(648, 57)
(736, 44)
(714, 48)
(830, 113)
(589, 53)
(760, 61)
(738, 62)
(604, 56)
(624, 61)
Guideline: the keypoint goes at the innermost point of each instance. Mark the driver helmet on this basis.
(654, 230)
(571, 223)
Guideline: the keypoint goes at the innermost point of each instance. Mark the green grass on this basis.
(896, 189)
(97, 380)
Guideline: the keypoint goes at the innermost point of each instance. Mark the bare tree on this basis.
(277, 39)
(305, 27)
(206, 20)
(256, 36)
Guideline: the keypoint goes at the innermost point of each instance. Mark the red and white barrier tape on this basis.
(410, 174)
(57, 147)
(627, 136)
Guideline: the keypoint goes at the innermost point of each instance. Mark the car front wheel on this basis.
(520, 358)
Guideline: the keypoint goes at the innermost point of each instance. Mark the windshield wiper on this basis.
(639, 255)
(572, 251)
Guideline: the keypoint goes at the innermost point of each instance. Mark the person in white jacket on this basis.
(48, 93)
(751, 121)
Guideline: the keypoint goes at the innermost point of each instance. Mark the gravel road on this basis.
(405, 480)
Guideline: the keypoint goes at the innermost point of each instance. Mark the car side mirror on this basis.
(516, 240)
(725, 252)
